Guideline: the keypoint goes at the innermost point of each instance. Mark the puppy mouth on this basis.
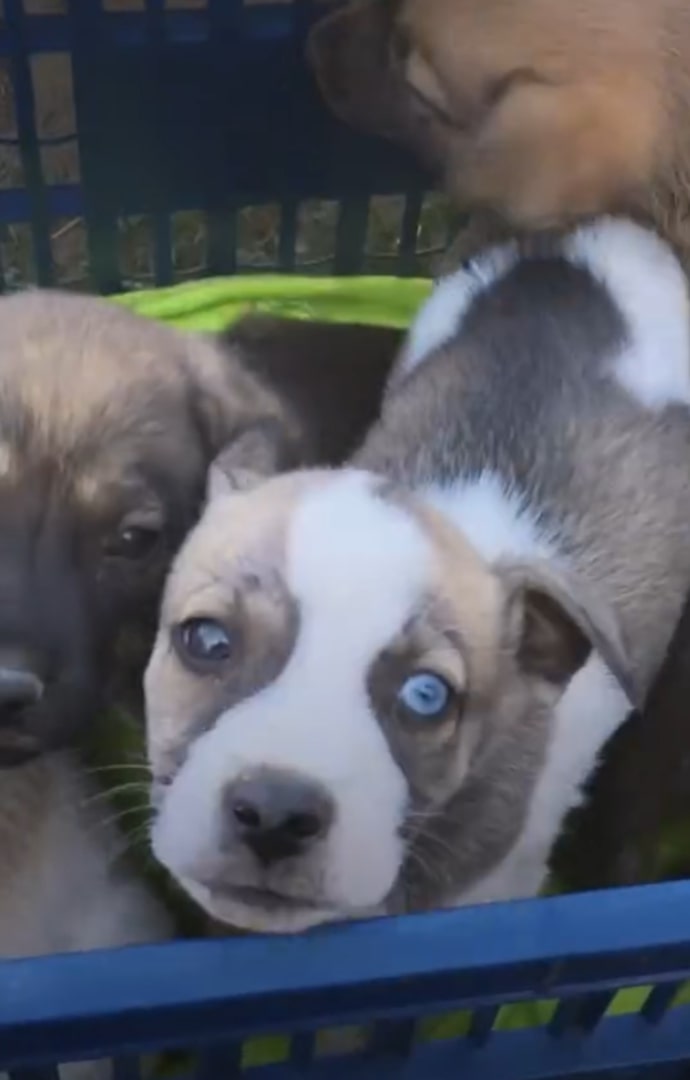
(267, 899)
(261, 910)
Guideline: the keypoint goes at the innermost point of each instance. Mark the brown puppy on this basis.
(537, 111)
(108, 422)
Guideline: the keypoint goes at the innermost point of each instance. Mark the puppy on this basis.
(108, 423)
(534, 112)
(383, 688)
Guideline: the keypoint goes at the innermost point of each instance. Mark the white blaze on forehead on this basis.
(357, 567)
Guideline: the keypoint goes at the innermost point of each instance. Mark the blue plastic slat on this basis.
(580, 1013)
(162, 240)
(483, 1020)
(287, 250)
(302, 1049)
(221, 228)
(15, 23)
(162, 250)
(408, 233)
(94, 96)
(63, 200)
(46, 140)
(126, 1068)
(659, 1001)
(45, 1073)
(393, 1038)
(351, 235)
(222, 1062)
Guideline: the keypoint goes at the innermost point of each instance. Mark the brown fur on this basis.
(535, 111)
(108, 423)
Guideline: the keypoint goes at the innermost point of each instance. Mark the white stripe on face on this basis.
(358, 567)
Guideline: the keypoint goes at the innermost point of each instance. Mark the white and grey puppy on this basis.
(382, 689)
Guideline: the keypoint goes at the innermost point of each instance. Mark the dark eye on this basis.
(425, 695)
(204, 642)
(132, 542)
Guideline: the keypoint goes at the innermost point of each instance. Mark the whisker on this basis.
(124, 767)
(111, 793)
(136, 839)
(439, 842)
(115, 819)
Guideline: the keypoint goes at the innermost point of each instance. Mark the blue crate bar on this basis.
(208, 997)
(206, 109)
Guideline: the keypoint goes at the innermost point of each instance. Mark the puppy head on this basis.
(108, 422)
(539, 110)
(338, 679)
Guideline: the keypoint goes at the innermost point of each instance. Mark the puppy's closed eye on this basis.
(496, 89)
(466, 110)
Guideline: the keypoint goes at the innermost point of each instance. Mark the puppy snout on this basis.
(20, 687)
(277, 814)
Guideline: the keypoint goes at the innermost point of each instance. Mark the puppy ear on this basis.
(255, 454)
(555, 624)
(348, 51)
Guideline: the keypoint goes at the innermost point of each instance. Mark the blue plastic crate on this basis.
(177, 108)
(210, 109)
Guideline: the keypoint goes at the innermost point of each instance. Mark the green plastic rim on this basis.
(211, 305)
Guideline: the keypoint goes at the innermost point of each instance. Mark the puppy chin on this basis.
(268, 918)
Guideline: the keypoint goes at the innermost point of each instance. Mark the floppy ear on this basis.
(255, 454)
(223, 396)
(556, 623)
(348, 52)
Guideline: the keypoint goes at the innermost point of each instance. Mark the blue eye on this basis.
(426, 695)
(204, 642)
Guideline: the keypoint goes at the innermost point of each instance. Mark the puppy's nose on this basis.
(277, 813)
(19, 687)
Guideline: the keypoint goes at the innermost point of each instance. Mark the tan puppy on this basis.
(539, 111)
(108, 423)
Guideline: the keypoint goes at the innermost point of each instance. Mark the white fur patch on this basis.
(590, 711)
(647, 284)
(441, 316)
(357, 567)
(494, 518)
(499, 524)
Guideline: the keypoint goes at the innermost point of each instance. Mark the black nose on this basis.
(277, 813)
(19, 687)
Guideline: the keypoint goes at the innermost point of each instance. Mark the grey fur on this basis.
(524, 391)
